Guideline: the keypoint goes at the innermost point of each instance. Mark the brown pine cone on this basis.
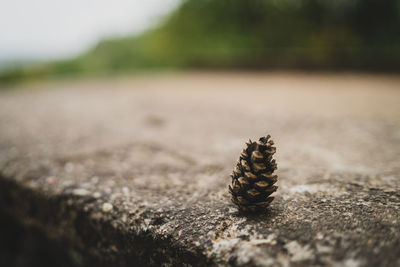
(252, 178)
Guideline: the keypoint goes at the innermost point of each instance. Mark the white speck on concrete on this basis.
(298, 252)
(270, 240)
(125, 190)
(96, 194)
(107, 207)
(320, 236)
(247, 253)
(348, 263)
(80, 192)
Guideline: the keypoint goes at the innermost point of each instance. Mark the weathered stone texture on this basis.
(135, 171)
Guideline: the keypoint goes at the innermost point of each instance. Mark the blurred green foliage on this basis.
(252, 34)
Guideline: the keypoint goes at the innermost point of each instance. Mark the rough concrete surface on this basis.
(134, 171)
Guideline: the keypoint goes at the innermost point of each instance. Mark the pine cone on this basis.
(252, 178)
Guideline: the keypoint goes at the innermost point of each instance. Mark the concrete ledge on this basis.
(98, 177)
(67, 222)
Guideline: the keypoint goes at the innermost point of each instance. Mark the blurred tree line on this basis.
(252, 34)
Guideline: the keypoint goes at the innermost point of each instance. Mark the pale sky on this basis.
(48, 29)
